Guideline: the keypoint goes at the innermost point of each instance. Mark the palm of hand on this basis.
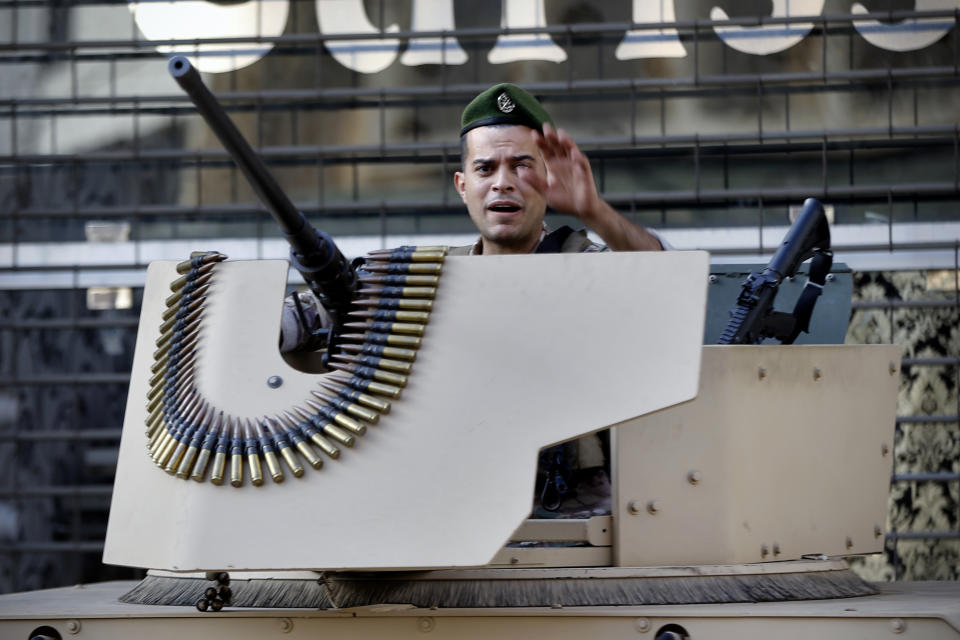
(569, 185)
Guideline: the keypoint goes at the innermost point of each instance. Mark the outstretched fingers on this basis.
(553, 143)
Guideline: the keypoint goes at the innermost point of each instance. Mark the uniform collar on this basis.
(477, 248)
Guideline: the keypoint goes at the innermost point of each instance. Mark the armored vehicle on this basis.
(386, 491)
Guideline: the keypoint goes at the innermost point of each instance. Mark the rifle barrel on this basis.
(313, 253)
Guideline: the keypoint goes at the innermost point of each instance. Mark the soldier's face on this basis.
(501, 182)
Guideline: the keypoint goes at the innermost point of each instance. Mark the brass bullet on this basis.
(177, 386)
(372, 337)
(165, 445)
(174, 356)
(343, 391)
(410, 304)
(403, 267)
(377, 362)
(193, 448)
(398, 292)
(160, 444)
(371, 373)
(315, 428)
(182, 365)
(206, 449)
(405, 258)
(380, 350)
(173, 380)
(337, 417)
(410, 248)
(251, 448)
(365, 384)
(180, 282)
(267, 449)
(159, 422)
(298, 437)
(188, 320)
(157, 429)
(399, 280)
(175, 426)
(171, 390)
(180, 404)
(188, 305)
(197, 295)
(190, 287)
(409, 328)
(197, 261)
(390, 315)
(322, 421)
(183, 440)
(236, 456)
(281, 440)
(351, 408)
(228, 428)
(178, 333)
(163, 456)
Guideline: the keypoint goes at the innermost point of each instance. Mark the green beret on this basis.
(504, 104)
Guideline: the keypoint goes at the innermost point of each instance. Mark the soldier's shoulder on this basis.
(579, 242)
(460, 251)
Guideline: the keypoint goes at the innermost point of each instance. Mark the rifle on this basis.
(313, 253)
(753, 318)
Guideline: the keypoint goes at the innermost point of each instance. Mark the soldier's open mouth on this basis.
(504, 208)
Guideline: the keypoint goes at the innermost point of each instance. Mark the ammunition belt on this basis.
(191, 439)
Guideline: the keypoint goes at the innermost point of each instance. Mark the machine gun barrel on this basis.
(313, 253)
(753, 318)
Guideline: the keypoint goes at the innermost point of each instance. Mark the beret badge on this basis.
(504, 104)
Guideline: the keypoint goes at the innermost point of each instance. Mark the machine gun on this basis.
(753, 318)
(313, 253)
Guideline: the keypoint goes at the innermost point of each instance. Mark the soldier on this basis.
(514, 164)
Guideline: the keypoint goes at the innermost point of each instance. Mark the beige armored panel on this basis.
(785, 452)
(520, 352)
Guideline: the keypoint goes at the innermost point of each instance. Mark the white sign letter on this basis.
(906, 35)
(349, 16)
(432, 15)
(651, 43)
(770, 38)
(522, 14)
(190, 19)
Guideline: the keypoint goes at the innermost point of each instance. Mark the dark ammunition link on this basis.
(299, 438)
(405, 267)
(313, 426)
(282, 443)
(414, 304)
(400, 280)
(350, 408)
(390, 339)
(399, 292)
(369, 401)
(269, 456)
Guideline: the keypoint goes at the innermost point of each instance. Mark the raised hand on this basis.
(569, 186)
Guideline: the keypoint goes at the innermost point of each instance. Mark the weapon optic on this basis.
(753, 318)
(313, 253)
